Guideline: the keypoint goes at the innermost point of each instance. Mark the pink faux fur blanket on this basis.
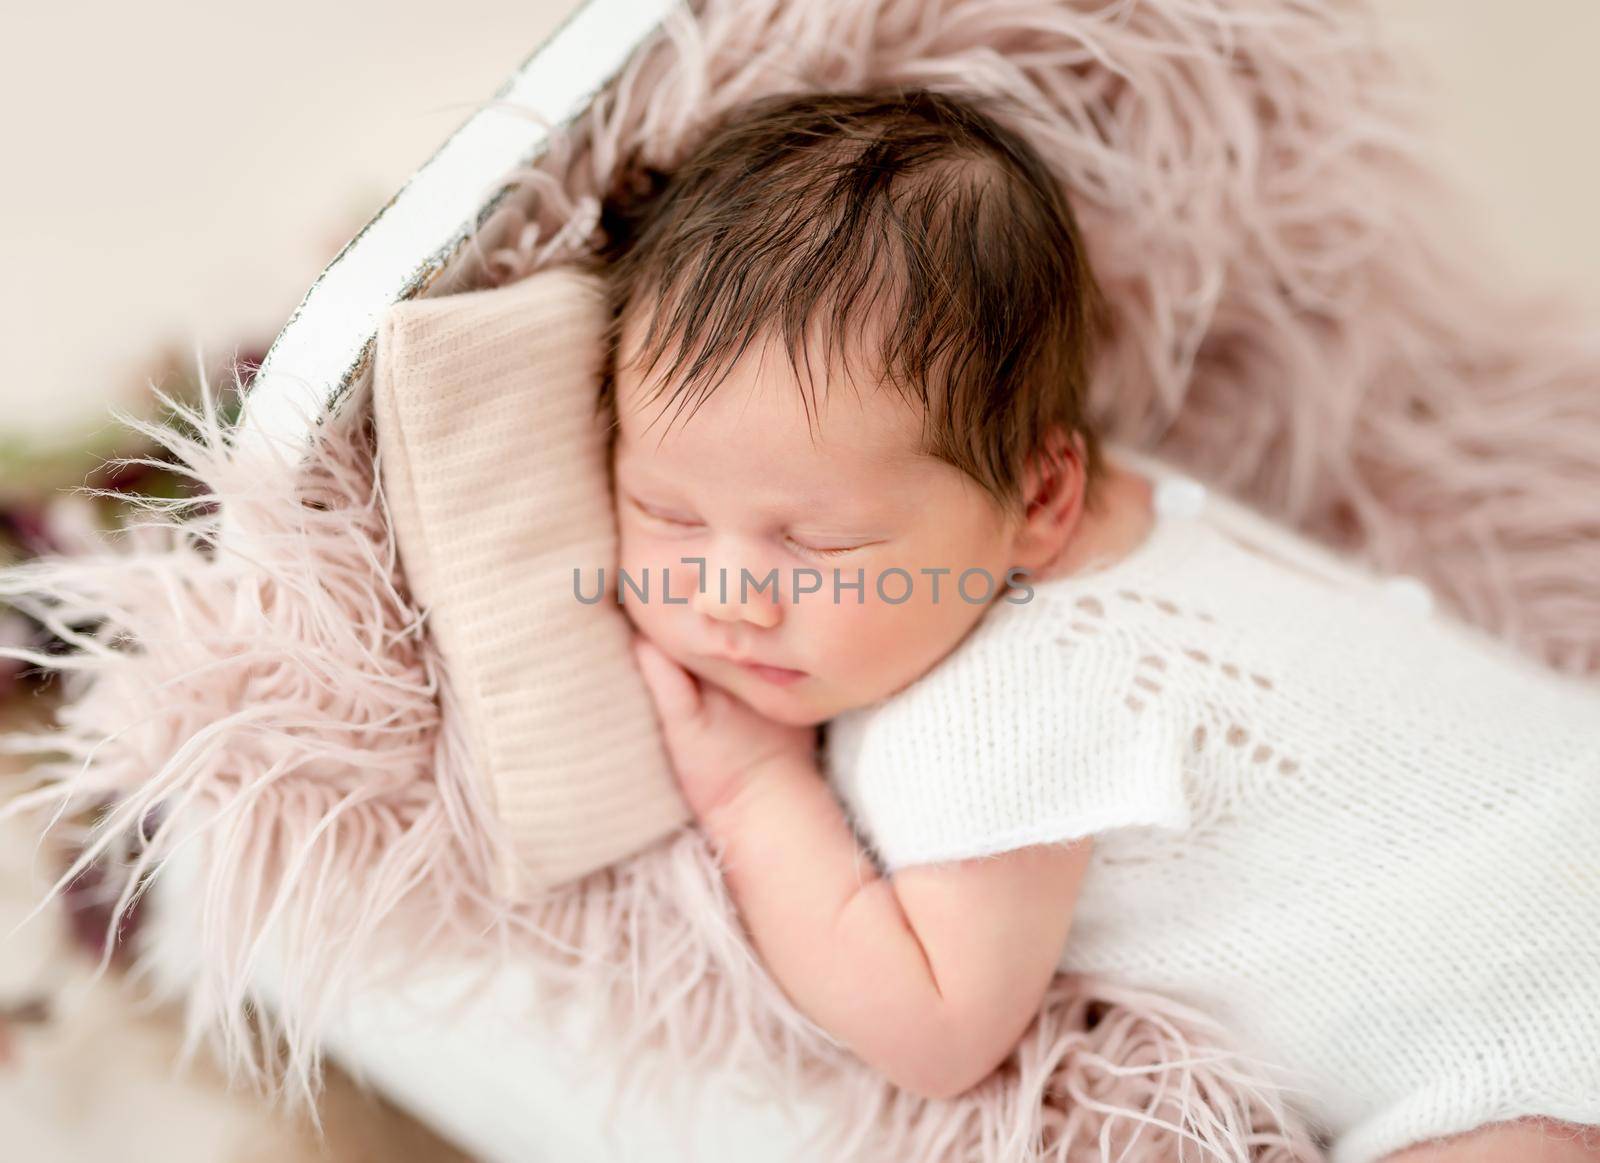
(1291, 325)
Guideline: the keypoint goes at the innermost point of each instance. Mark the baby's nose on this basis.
(728, 598)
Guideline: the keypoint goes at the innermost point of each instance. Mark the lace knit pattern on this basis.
(1358, 830)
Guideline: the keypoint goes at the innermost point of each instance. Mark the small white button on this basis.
(1180, 497)
(1409, 594)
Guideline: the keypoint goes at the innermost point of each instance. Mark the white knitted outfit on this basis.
(1361, 833)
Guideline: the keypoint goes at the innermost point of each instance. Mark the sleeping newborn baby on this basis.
(1079, 713)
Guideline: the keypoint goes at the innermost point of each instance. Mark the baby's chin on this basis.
(792, 705)
(780, 704)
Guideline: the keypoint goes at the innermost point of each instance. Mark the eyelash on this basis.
(822, 552)
(802, 548)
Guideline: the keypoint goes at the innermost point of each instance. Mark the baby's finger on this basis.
(676, 694)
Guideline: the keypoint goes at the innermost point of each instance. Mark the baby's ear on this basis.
(1053, 494)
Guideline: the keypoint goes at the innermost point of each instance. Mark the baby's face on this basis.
(742, 483)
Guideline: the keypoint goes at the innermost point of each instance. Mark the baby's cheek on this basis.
(647, 567)
(868, 645)
(644, 556)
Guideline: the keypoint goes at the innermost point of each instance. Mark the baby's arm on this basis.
(930, 976)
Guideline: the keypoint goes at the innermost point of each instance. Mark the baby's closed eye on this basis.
(815, 545)
(827, 548)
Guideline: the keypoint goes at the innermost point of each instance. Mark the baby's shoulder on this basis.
(1054, 665)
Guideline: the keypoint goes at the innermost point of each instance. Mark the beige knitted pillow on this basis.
(494, 470)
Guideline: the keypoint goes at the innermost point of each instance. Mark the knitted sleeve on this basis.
(1015, 739)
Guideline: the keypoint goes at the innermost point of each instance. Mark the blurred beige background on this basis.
(183, 171)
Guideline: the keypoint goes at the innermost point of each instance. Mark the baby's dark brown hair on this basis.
(913, 208)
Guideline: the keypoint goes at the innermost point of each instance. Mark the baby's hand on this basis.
(715, 740)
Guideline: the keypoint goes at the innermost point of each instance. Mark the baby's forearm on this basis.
(828, 927)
